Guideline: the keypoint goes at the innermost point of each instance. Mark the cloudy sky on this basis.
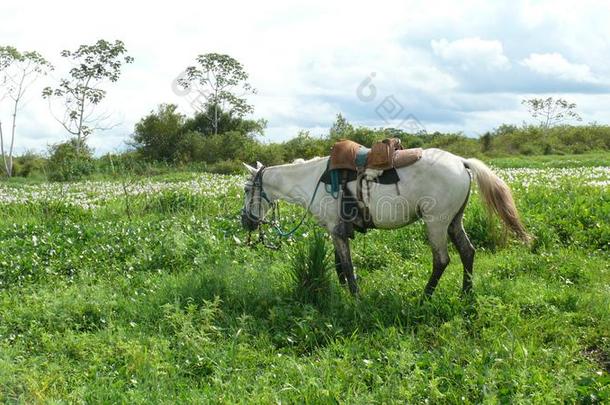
(439, 64)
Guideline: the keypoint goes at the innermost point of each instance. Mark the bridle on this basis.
(274, 222)
(258, 220)
(257, 184)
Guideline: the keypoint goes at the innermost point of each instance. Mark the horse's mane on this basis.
(301, 161)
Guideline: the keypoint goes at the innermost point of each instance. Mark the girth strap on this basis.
(362, 205)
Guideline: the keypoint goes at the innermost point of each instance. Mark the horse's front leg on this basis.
(339, 268)
(344, 259)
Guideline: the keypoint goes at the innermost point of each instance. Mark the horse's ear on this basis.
(251, 169)
(259, 165)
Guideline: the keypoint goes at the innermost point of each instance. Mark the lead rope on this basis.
(275, 221)
(276, 224)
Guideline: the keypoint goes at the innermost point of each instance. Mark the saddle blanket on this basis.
(389, 176)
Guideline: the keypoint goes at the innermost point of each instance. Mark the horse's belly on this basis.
(388, 207)
(392, 212)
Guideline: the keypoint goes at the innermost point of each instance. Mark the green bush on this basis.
(268, 154)
(156, 135)
(310, 270)
(457, 143)
(166, 140)
(70, 161)
(125, 163)
(305, 146)
(29, 164)
(226, 167)
(484, 229)
(193, 147)
(169, 136)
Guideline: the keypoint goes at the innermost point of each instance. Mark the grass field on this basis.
(142, 291)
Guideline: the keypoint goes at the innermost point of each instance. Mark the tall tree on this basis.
(221, 83)
(341, 128)
(18, 71)
(550, 111)
(82, 90)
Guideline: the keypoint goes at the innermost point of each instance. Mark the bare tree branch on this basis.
(551, 112)
(81, 91)
(19, 71)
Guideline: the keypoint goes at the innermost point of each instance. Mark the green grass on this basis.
(542, 161)
(167, 306)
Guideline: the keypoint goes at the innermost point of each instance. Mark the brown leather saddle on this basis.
(383, 155)
(348, 162)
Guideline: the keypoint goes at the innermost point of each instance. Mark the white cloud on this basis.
(554, 64)
(472, 53)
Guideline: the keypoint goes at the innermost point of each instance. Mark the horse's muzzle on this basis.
(248, 222)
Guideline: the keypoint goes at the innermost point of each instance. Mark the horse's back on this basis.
(435, 186)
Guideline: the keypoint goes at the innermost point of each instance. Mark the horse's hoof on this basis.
(425, 297)
(354, 290)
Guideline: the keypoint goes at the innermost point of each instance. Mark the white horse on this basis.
(435, 189)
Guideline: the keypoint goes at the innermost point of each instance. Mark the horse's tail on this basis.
(497, 197)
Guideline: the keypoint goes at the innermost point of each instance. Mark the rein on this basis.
(276, 207)
(257, 182)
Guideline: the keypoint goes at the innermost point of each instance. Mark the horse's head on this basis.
(256, 201)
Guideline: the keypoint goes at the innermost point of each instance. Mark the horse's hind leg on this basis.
(437, 236)
(462, 243)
